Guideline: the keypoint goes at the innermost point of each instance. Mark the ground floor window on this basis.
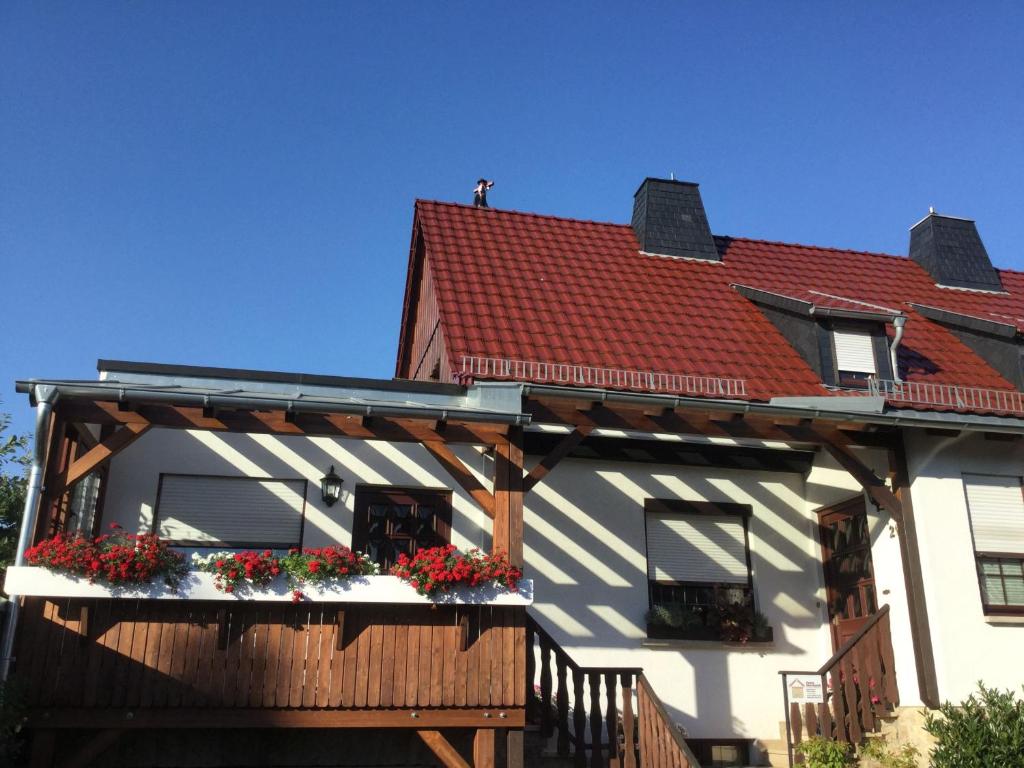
(698, 569)
(720, 753)
(393, 521)
(995, 504)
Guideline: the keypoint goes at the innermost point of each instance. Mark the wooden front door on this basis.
(849, 575)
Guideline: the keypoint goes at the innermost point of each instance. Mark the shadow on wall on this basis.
(134, 479)
(586, 549)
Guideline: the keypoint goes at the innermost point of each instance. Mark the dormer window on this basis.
(854, 355)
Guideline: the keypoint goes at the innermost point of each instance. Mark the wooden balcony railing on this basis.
(589, 711)
(859, 686)
(129, 662)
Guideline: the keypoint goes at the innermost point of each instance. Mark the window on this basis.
(855, 356)
(698, 568)
(393, 521)
(995, 504)
(238, 512)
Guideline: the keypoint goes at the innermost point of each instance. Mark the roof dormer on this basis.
(844, 340)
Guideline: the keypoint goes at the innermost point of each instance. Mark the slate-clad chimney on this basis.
(669, 220)
(950, 249)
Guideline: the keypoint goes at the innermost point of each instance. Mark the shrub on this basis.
(985, 730)
(824, 753)
(887, 756)
(438, 569)
(118, 558)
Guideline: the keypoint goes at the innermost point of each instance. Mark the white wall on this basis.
(585, 548)
(135, 473)
(967, 647)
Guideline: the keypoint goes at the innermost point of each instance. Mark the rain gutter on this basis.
(869, 412)
(293, 403)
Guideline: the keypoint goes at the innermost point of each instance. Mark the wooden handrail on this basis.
(662, 729)
(538, 629)
(843, 649)
(859, 686)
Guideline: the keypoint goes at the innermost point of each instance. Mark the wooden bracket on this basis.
(443, 749)
(97, 457)
(454, 466)
(565, 446)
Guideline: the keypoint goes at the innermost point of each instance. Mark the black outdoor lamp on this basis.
(330, 487)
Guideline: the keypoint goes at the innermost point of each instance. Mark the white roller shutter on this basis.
(231, 511)
(854, 351)
(683, 547)
(996, 506)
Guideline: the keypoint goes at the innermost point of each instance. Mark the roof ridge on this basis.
(532, 214)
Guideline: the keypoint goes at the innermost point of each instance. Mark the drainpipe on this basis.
(45, 398)
(897, 322)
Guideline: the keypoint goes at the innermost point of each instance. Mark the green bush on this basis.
(887, 756)
(985, 731)
(824, 753)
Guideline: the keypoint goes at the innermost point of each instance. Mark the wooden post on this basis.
(508, 497)
(514, 748)
(483, 748)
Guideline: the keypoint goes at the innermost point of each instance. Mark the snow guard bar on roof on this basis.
(590, 376)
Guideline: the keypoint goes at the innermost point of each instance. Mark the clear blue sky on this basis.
(232, 183)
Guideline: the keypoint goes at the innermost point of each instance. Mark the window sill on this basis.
(29, 581)
(753, 646)
(1004, 618)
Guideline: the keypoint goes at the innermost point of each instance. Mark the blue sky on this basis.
(232, 183)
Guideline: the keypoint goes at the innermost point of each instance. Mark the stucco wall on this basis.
(585, 548)
(135, 473)
(967, 647)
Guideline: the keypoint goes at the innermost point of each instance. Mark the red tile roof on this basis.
(531, 287)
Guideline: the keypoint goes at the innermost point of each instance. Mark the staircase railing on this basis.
(590, 710)
(857, 686)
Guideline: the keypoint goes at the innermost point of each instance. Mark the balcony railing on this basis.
(129, 662)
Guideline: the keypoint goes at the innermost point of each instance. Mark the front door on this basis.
(849, 575)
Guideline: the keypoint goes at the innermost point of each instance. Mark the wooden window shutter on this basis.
(205, 510)
(996, 506)
(704, 548)
(854, 350)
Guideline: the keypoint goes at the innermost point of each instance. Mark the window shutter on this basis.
(996, 506)
(854, 350)
(231, 511)
(709, 548)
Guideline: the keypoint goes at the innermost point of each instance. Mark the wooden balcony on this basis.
(117, 663)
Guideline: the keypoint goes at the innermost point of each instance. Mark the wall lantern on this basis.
(330, 487)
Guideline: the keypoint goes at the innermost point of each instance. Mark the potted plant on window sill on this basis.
(722, 622)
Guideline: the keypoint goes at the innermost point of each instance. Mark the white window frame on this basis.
(986, 544)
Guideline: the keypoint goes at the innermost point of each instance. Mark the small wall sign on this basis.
(805, 689)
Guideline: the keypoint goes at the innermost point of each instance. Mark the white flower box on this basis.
(41, 582)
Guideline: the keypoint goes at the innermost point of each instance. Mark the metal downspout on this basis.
(897, 322)
(45, 397)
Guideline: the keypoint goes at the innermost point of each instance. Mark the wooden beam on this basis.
(98, 456)
(913, 579)
(442, 749)
(94, 747)
(508, 498)
(247, 717)
(483, 748)
(514, 748)
(458, 471)
(869, 481)
(273, 422)
(565, 446)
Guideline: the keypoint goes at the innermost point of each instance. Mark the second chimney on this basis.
(951, 251)
(669, 220)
